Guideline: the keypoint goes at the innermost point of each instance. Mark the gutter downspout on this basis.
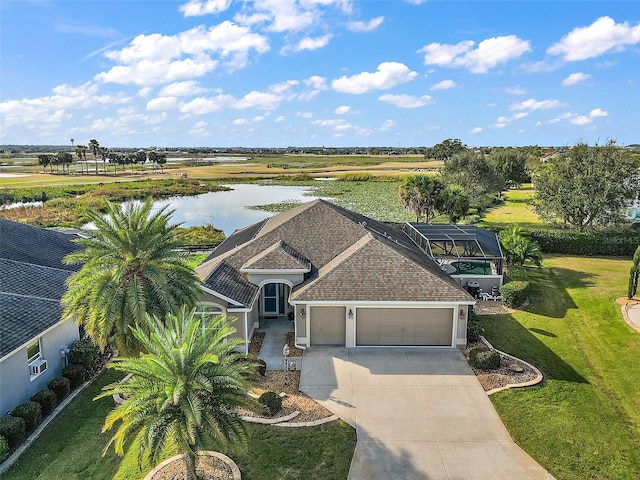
(295, 328)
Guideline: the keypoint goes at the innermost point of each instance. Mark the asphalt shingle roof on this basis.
(352, 257)
(32, 281)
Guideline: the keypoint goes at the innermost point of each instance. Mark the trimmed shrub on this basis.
(84, 352)
(261, 367)
(47, 400)
(13, 430)
(4, 449)
(484, 358)
(591, 244)
(515, 273)
(271, 401)
(514, 293)
(61, 386)
(30, 412)
(474, 327)
(75, 374)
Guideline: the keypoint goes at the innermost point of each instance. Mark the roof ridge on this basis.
(20, 262)
(21, 295)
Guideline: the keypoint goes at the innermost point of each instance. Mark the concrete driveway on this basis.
(418, 413)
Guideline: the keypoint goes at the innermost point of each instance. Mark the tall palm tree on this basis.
(518, 247)
(81, 153)
(94, 146)
(183, 391)
(131, 267)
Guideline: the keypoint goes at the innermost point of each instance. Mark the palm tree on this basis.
(422, 194)
(131, 267)
(81, 153)
(183, 392)
(104, 152)
(455, 203)
(94, 146)
(518, 247)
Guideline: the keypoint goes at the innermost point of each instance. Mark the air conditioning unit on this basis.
(37, 367)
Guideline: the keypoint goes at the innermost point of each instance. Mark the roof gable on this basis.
(279, 256)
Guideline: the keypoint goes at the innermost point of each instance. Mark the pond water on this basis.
(227, 210)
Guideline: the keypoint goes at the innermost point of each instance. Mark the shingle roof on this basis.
(350, 255)
(32, 281)
(279, 256)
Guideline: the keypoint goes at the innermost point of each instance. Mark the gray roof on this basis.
(32, 281)
(350, 257)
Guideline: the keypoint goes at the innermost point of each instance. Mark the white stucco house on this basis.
(33, 340)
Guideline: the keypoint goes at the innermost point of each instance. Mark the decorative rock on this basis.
(516, 368)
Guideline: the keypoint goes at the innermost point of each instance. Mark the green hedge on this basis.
(588, 244)
(514, 293)
(13, 429)
(61, 386)
(75, 373)
(47, 400)
(474, 327)
(4, 448)
(30, 412)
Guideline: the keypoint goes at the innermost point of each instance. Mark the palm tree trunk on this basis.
(190, 464)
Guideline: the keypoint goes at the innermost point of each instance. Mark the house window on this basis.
(37, 365)
(206, 314)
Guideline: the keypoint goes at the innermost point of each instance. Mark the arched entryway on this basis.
(274, 300)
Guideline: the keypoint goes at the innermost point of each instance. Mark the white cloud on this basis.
(317, 82)
(444, 85)
(533, 104)
(358, 26)
(202, 105)
(261, 100)
(240, 121)
(489, 53)
(387, 125)
(388, 74)
(199, 129)
(500, 125)
(279, 119)
(309, 43)
(575, 78)
(598, 112)
(515, 91)
(304, 115)
(475, 130)
(580, 120)
(601, 36)
(181, 89)
(145, 92)
(342, 110)
(337, 124)
(196, 8)
(161, 104)
(282, 15)
(406, 101)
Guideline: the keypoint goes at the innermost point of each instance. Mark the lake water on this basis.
(226, 210)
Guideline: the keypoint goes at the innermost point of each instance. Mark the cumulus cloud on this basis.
(533, 104)
(488, 54)
(240, 121)
(371, 25)
(388, 75)
(162, 104)
(309, 43)
(580, 120)
(406, 101)
(342, 110)
(196, 8)
(199, 129)
(601, 36)
(182, 89)
(598, 112)
(515, 91)
(387, 125)
(475, 130)
(575, 78)
(444, 85)
(304, 115)
(317, 82)
(337, 124)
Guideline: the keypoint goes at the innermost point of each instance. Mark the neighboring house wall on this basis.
(16, 385)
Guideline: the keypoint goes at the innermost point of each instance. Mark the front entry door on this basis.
(271, 299)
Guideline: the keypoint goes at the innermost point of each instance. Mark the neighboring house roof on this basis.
(347, 256)
(32, 281)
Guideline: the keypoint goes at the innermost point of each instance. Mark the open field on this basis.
(583, 422)
(517, 209)
(71, 447)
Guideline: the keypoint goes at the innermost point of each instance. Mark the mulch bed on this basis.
(256, 343)
(207, 468)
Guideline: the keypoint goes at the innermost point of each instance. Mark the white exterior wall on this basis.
(16, 385)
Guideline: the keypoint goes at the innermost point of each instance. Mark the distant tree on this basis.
(153, 158)
(81, 153)
(64, 159)
(140, 157)
(511, 165)
(422, 194)
(161, 159)
(518, 247)
(634, 274)
(72, 140)
(474, 174)
(113, 158)
(94, 146)
(454, 203)
(44, 159)
(104, 154)
(587, 186)
(445, 150)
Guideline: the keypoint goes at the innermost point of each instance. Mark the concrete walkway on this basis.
(275, 337)
(633, 313)
(418, 413)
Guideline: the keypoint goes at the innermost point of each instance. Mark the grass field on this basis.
(71, 447)
(517, 209)
(583, 422)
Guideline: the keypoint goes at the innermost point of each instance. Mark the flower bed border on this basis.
(209, 453)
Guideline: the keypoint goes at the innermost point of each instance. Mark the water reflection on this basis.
(226, 210)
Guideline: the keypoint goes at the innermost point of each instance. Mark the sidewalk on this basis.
(275, 337)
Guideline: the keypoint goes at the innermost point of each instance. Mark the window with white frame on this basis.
(37, 364)
(206, 314)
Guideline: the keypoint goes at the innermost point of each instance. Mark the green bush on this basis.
(75, 374)
(261, 367)
(474, 327)
(517, 273)
(484, 358)
(514, 294)
(4, 449)
(30, 412)
(61, 386)
(271, 401)
(47, 400)
(621, 244)
(13, 429)
(84, 352)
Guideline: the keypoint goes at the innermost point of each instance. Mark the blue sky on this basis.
(276, 73)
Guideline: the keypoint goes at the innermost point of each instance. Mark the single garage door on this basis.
(404, 326)
(328, 325)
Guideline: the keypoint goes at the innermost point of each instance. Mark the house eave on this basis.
(223, 297)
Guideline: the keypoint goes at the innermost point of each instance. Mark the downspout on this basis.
(295, 328)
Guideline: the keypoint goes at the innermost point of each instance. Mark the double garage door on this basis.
(384, 326)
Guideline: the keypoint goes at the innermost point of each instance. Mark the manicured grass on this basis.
(71, 447)
(583, 422)
(517, 209)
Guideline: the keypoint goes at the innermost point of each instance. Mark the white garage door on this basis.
(328, 325)
(404, 326)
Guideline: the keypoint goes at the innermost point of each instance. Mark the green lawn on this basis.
(517, 209)
(583, 422)
(71, 447)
